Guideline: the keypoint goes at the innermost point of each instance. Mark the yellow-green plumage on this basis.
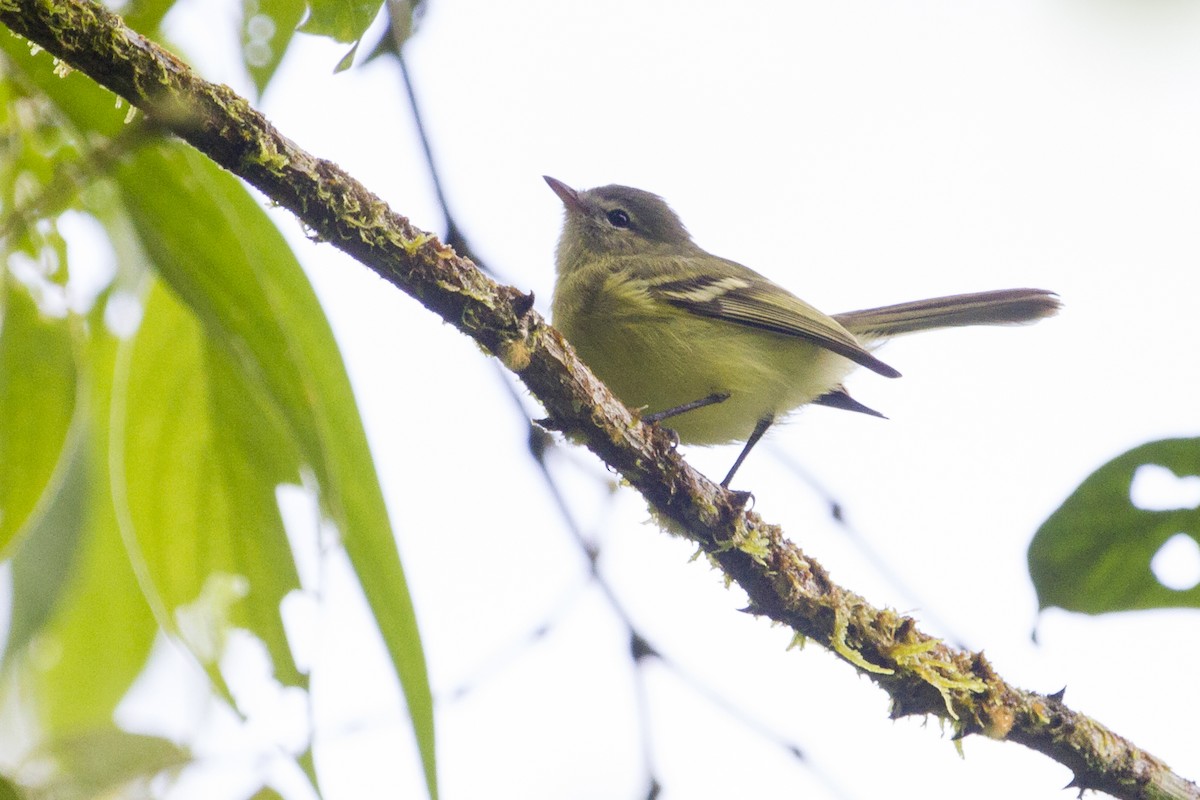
(664, 323)
(656, 356)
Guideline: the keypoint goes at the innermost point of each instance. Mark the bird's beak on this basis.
(569, 196)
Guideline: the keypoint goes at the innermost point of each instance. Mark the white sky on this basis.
(860, 154)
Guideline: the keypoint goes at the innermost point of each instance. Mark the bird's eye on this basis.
(618, 218)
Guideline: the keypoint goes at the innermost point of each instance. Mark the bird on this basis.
(710, 347)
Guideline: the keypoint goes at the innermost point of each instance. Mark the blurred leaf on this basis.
(35, 152)
(403, 18)
(98, 639)
(144, 16)
(203, 453)
(32, 142)
(347, 60)
(81, 628)
(341, 20)
(217, 250)
(105, 762)
(1093, 554)
(8, 791)
(262, 328)
(47, 553)
(267, 29)
(37, 387)
(80, 101)
(101, 634)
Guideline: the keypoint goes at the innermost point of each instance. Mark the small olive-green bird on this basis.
(711, 345)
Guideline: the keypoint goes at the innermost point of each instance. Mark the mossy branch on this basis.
(921, 674)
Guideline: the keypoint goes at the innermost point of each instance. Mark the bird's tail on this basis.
(1003, 307)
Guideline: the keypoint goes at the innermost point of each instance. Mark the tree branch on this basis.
(921, 674)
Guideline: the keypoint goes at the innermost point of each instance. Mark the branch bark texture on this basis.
(920, 673)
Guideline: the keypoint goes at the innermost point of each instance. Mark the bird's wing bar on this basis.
(755, 302)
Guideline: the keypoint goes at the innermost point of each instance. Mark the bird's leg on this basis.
(760, 428)
(712, 399)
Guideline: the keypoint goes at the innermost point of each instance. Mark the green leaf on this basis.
(267, 29)
(341, 20)
(106, 762)
(403, 18)
(81, 630)
(37, 387)
(203, 452)
(220, 254)
(47, 552)
(79, 661)
(82, 102)
(144, 16)
(8, 791)
(1093, 554)
(102, 631)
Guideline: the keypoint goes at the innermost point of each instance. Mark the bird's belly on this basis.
(659, 364)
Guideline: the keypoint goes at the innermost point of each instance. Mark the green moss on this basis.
(930, 660)
(838, 641)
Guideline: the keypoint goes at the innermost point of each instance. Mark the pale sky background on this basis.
(859, 154)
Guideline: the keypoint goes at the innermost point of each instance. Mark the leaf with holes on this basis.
(1095, 553)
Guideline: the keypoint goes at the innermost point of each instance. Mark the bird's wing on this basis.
(840, 398)
(746, 298)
